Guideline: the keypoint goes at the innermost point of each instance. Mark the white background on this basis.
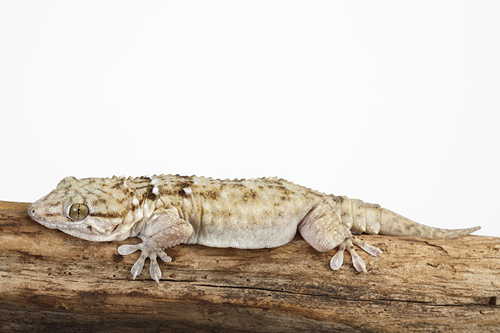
(391, 102)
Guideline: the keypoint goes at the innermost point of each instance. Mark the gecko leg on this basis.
(160, 232)
(323, 229)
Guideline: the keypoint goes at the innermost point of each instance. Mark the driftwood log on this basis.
(50, 281)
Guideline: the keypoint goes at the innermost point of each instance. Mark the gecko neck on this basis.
(144, 202)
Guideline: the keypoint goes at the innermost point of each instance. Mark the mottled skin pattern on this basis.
(167, 210)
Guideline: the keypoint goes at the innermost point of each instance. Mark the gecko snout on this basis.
(32, 211)
(38, 214)
(35, 212)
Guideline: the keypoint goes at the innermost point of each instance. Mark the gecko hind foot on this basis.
(147, 251)
(358, 263)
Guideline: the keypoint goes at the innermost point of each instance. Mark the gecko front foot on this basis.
(358, 263)
(148, 250)
(162, 231)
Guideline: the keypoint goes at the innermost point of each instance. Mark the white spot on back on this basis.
(154, 181)
(135, 201)
(188, 191)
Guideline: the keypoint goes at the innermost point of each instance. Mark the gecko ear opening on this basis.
(78, 212)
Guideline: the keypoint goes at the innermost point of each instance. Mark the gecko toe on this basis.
(139, 264)
(338, 258)
(374, 251)
(127, 249)
(163, 256)
(154, 269)
(358, 263)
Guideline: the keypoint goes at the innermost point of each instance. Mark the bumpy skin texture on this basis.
(168, 210)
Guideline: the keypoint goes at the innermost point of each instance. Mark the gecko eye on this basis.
(78, 211)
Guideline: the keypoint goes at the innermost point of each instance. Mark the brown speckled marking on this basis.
(109, 215)
(212, 194)
(99, 201)
(248, 195)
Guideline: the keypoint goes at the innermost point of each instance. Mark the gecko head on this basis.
(96, 209)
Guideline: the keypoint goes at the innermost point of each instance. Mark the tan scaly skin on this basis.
(167, 210)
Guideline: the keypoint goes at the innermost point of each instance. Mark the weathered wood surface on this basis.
(50, 281)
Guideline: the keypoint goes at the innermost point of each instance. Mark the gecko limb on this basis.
(160, 232)
(323, 229)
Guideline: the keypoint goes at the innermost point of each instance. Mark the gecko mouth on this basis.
(35, 215)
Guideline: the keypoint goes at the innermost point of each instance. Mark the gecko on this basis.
(168, 210)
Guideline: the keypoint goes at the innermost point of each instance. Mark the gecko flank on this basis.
(164, 211)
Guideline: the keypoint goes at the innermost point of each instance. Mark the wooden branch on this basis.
(51, 281)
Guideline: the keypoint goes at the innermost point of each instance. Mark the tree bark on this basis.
(50, 281)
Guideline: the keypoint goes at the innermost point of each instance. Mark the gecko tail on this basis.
(393, 224)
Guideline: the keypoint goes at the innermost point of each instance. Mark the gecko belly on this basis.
(245, 234)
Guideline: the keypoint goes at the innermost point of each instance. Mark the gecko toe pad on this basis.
(358, 263)
(148, 251)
